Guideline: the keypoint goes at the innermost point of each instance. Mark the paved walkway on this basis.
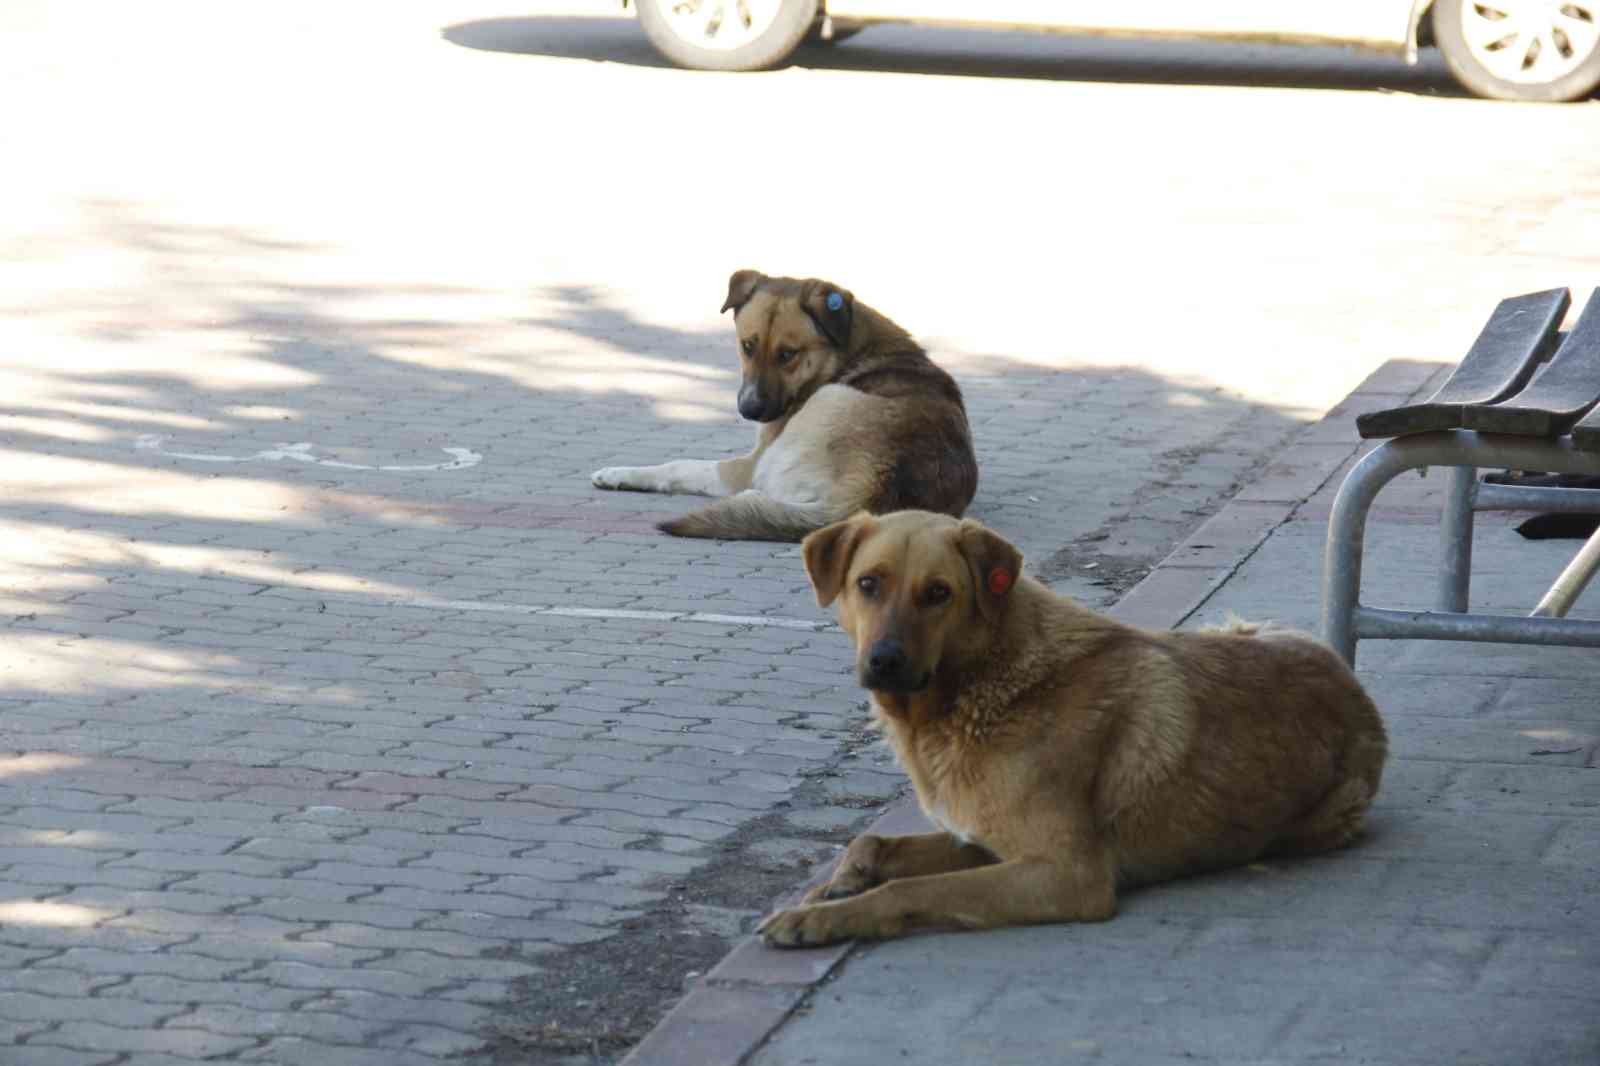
(330, 714)
(1460, 930)
(337, 711)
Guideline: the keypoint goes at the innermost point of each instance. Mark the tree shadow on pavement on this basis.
(221, 348)
(900, 49)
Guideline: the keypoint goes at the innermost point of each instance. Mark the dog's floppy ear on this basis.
(741, 286)
(827, 553)
(995, 564)
(831, 308)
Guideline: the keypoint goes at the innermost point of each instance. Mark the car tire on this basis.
(727, 34)
(1521, 49)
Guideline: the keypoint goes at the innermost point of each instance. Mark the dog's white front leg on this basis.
(697, 476)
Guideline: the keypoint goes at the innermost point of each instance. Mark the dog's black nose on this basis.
(752, 405)
(887, 664)
(757, 407)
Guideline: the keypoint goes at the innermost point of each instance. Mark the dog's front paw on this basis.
(849, 880)
(802, 927)
(612, 477)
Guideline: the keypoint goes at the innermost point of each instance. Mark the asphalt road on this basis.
(340, 711)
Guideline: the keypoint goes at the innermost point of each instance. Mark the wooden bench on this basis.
(1525, 397)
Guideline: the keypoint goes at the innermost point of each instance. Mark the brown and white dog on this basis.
(854, 417)
(1065, 754)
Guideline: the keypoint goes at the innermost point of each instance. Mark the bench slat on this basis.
(1518, 336)
(1586, 434)
(1561, 394)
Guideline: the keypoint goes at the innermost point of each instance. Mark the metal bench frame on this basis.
(1526, 339)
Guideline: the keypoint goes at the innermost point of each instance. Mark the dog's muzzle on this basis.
(888, 668)
(754, 406)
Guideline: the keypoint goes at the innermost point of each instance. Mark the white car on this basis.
(1507, 49)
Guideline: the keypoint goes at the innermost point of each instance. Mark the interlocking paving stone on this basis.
(298, 1051)
(256, 993)
(46, 1006)
(45, 1055)
(94, 1036)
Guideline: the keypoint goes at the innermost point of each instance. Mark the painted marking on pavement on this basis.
(300, 451)
(600, 613)
(621, 613)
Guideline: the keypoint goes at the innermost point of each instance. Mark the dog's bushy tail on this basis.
(748, 516)
(1235, 626)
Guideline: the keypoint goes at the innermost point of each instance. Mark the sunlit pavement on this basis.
(314, 319)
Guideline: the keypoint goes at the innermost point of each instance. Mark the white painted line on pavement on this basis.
(300, 451)
(757, 620)
(621, 613)
(601, 613)
(453, 605)
(611, 612)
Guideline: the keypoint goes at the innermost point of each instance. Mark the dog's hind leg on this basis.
(1333, 823)
(1337, 818)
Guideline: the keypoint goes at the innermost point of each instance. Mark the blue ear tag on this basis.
(835, 301)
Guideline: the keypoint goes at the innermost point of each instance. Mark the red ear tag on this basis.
(999, 581)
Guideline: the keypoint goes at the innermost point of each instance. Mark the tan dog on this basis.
(854, 416)
(1064, 753)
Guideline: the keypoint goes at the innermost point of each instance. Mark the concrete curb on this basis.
(732, 1011)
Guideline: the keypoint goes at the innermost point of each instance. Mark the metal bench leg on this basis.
(1455, 539)
(1345, 620)
(1570, 585)
(1347, 533)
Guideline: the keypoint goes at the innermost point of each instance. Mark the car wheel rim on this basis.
(720, 25)
(1531, 41)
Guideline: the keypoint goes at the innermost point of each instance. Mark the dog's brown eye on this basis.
(937, 593)
(749, 345)
(868, 585)
(785, 354)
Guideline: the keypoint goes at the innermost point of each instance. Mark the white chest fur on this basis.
(925, 782)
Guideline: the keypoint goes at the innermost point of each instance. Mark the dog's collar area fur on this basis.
(979, 693)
